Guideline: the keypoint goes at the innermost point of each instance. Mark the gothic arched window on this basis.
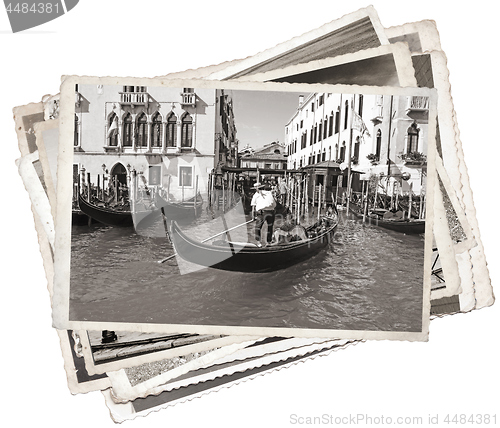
(127, 130)
(156, 130)
(412, 138)
(378, 147)
(142, 130)
(187, 131)
(172, 130)
(112, 130)
(76, 141)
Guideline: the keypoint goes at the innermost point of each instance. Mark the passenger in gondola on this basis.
(263, 211)
(289, 231)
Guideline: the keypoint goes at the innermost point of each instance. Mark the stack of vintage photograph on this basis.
(208, 226)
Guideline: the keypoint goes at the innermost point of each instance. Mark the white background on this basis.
(455, 372)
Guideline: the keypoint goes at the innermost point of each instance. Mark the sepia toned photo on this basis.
(237, 211)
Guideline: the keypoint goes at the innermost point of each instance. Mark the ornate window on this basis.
(171, 130)
(127, 130)
(337, 121)
(378, 147)
(142, 130)
(187, 131)
(412, 138)
(342, 152)
(156, 130)
(113, 130)
(346, 113)
(76, 141)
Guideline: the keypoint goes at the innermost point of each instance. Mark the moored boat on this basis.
(106, 215)
(247, 257)
(403, 225)
(124, 217)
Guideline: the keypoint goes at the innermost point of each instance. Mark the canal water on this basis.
(368, 278)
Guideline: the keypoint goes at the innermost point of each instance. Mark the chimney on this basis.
(301, 100)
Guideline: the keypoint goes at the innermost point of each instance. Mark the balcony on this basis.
(134, 98)
(417, 108)
(377, 113)
(188, 99)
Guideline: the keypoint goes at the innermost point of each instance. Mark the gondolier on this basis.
(263, 211)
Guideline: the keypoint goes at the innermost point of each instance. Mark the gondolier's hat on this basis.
(258, 185)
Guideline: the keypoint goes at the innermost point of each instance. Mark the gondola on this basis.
(187, 209)
(125, 218)
(409, 227)
(246, 257)
(105, 215)
(78, 218)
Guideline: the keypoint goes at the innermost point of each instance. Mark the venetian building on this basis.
(385, 135)
(271, 156)
(400, 141)
(320, 130)
(171, 137)
(327, 137)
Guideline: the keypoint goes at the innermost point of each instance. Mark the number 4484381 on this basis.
(478, 419)
(33, 8)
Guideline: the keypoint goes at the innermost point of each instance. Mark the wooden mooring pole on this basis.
(410, 201)
(209, 190)
(306, 196)
(89, 187)
(298, 201)
(195, 194)
(319, 200)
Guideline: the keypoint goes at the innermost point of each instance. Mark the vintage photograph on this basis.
(276, 210)
(292, 181)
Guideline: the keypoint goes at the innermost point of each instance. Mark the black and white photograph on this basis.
(259, 214)
(250, 209)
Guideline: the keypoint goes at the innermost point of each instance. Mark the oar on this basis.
(208, 239)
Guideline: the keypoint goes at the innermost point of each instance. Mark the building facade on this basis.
(270, 156)
(384, 135)
(172, 138)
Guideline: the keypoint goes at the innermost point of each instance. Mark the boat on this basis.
(407, 226)
(187, 209)
(248, 257)
(106, 215)
(78, 218)
(122, 216)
